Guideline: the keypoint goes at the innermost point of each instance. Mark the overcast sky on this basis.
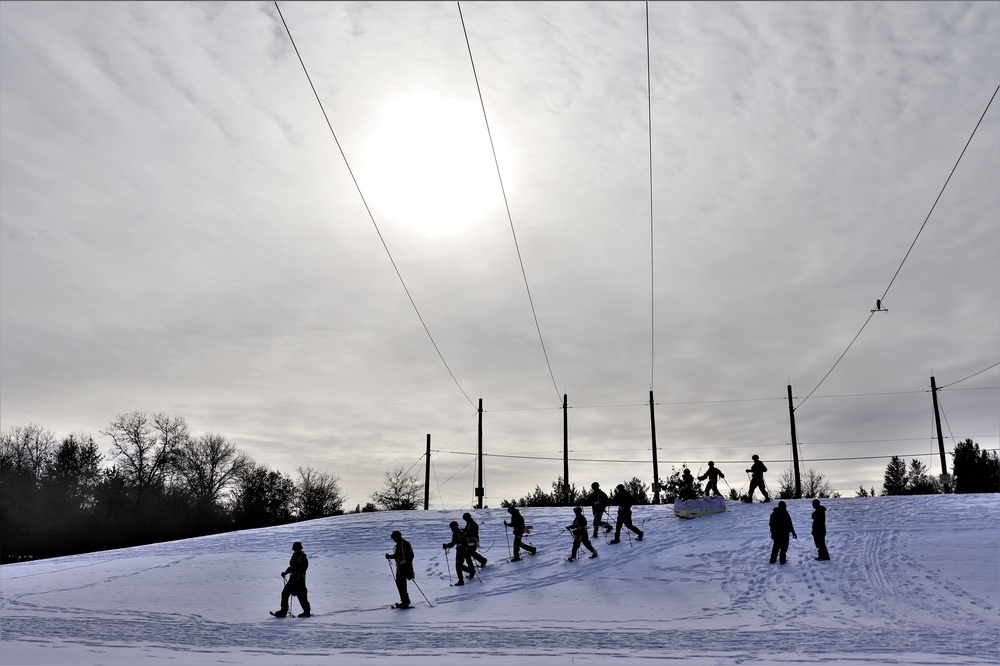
(181, 232)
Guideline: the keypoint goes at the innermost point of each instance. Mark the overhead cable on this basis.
(928, 217)
(363, 201)
(506, 204)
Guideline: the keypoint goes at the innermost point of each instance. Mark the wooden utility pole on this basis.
(945, 479)
(565, 451)
(479, 487)
(656, 470)
(427, 476)
(795, 446)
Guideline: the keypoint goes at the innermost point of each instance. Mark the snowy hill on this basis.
(913, 580)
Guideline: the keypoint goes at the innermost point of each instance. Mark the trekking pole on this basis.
(285, 581)
(422, 593)
(448, 564)
(507, 536)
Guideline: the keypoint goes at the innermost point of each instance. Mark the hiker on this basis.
(517, 525)
(819, 530)
(687, 485)
(463, 561)
(756, 473)
(296, 583)
(781, 526)
(471, 530)
(623, 499)
(579, 530)
(713, 474)
(599, 502)
(403, 554)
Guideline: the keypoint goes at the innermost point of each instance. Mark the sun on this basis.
(430, 165)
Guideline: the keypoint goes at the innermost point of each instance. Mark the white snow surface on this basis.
(913, 580)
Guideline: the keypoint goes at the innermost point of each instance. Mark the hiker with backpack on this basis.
(517, 526)
(780, 525)
(295, 585)
(463, 560)
(471, 530)
(579, 530)
(756, 473)
(599, 502)
(713, 474)
(623, 499)
(403, 555)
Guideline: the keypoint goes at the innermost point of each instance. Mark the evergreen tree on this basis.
(975, 471)
(894, 482)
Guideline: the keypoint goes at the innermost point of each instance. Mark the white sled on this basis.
(701, 506)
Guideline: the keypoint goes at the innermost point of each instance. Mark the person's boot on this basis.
(639, 538)
(615, 540)
(280, 613)
(305, 613)
(460, 582)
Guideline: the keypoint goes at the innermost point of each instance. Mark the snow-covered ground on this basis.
(913, 580)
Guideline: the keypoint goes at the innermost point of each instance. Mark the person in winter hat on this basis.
(463, 561)
(713, 474)
(599, 502)
(781, 526)
(295, 585)
(471, 530)
(517, 527)
(687, 485)
(579, 530)
(623, 499)
(756, 473)
(819, 530)
(403, 555)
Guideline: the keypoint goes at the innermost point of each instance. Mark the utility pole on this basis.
(795, 446)
(945, 479)
(480, 491)
(427, 476)
(656, 471)
(565, 451)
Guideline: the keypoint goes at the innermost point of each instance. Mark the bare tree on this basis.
(317, 495)
(208, 466)
(400, 492)
(813, 483)
(145, 450)
(26, 449)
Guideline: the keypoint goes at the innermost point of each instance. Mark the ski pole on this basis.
(507, 535)
(422, 593)
(448, 564)
(285, 581)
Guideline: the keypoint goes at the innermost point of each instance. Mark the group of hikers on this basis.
(465, 540)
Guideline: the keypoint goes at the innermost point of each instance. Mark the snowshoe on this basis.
(593, 555)
(304, 614)
(614, 541)
(279, 613)
(401, 605)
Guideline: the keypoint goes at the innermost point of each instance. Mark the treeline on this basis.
(161, 483)
(973, 470)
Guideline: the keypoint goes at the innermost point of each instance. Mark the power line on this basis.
(506, 204)
(365, 202)
(900, 267)
(685, 461)
(969, 377)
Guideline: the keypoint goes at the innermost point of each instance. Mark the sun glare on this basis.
(429, 165)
